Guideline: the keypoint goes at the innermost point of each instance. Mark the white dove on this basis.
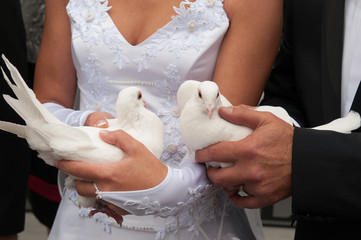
(201, 126)
(54, 140)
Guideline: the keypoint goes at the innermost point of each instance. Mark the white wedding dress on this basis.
(185, 205)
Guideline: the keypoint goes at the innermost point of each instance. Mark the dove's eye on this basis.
(217, 94)
(199, 94)
(139, 95)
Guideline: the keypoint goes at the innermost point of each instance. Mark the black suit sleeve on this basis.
(326, 182)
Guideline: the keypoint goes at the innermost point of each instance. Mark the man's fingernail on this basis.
(228, 110)
(104, 132)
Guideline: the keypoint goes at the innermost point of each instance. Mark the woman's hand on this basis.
(98, 119)
(139, 169)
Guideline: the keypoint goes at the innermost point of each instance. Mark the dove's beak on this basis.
(209, 109)
(145, 104)
(210, 112)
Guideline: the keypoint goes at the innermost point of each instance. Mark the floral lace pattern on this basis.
(175, 149)
(90, 20)
(193, 19)
(84, 212)
(95, 98)
(205, 204)
(93, 24)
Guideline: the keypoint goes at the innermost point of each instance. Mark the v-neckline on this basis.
(143, 41)
(150, 36)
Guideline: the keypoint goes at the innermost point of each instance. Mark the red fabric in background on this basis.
(46, 190)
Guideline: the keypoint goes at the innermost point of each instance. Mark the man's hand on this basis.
(262, 161)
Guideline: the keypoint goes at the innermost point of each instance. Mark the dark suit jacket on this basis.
(14, 152)
(306, 81)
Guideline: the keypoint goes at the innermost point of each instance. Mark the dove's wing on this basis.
(225, 102)
(277, 111)
(153, 138)
(147, 129)
(79, 143)
(55, 141)
(185, 91)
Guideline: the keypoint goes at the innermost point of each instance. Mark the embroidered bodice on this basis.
(185, 48)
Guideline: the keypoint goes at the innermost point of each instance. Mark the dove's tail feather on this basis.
(13, 128)
(343, 125)
(32, 107)
(21, 109)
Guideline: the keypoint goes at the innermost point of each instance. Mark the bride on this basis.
(103, 46)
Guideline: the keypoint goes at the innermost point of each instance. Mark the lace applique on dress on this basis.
(188, 27)
(175, 149)
(91, 23)
(205, 204)
(213, 11)
(95, 97)
(107, 221)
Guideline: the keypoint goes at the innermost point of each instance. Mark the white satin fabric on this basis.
(351, 59)
(185, 205)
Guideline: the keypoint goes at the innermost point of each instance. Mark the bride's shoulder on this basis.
(234, 7)
(56, 4)
(249, 8)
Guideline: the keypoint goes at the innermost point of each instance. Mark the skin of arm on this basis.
(55, 75)
(249, 49)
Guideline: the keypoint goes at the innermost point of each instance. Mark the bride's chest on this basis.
(137, 20)
(187, 31)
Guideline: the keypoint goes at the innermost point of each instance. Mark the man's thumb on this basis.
(242, 115)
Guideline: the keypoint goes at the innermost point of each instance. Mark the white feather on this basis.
(55, 140)
(343, 125)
